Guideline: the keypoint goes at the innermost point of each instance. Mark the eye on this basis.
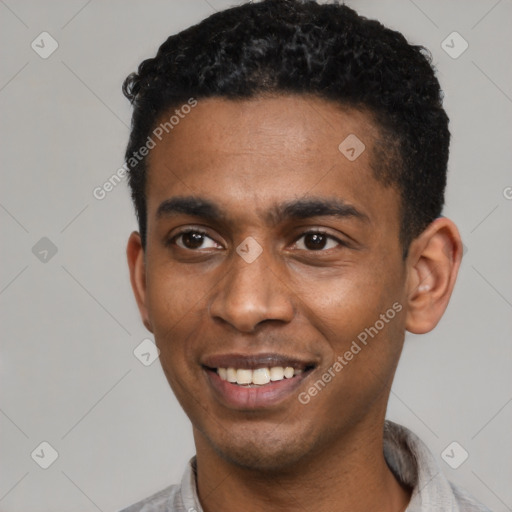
(193, 239)
(317, 241)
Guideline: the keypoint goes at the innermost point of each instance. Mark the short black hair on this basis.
(302, 47)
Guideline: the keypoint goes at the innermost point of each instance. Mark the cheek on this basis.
(362, 319)
(343, 305)
(360, 315)
(174, 305)
(172, 293)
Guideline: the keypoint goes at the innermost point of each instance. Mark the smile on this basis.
(248, 382)
(258, 377)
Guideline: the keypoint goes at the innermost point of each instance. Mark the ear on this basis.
(137, 265)
(433, 263)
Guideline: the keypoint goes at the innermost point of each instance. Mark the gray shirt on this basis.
(406, 455)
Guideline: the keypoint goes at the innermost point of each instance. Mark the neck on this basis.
(351, 475)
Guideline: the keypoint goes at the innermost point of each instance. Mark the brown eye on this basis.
(193, 240)
(317, 241)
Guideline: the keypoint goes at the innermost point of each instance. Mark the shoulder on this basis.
(414, 465)
(162, 501)
(466, 502)
(180, 497)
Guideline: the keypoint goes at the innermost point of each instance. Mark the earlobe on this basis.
(137, 266)
(433, 263)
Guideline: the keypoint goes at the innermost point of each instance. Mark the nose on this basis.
(250, 294)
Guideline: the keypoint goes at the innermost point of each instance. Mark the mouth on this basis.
(255, 381)
(259, 376)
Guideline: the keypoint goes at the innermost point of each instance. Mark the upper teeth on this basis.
(260, 376)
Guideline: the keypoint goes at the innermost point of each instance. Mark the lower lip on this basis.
(250, 398)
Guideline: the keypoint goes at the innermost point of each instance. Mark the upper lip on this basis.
(254, 361)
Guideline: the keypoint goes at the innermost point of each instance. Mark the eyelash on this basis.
(341, 243)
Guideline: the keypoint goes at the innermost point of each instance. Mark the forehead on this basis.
(248, 153)
(303, 128)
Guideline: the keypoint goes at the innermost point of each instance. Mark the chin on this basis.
(267, 452)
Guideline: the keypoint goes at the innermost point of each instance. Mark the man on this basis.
(287, 164)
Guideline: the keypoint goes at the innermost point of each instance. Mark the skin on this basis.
(247, 157)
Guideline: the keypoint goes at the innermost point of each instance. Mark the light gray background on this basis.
(70, 325)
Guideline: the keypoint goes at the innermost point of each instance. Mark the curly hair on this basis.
(302, 47)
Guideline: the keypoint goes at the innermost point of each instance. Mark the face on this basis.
(269, 250)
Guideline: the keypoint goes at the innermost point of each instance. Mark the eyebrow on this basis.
(194, 206)
(296, 209)
(316, 207)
